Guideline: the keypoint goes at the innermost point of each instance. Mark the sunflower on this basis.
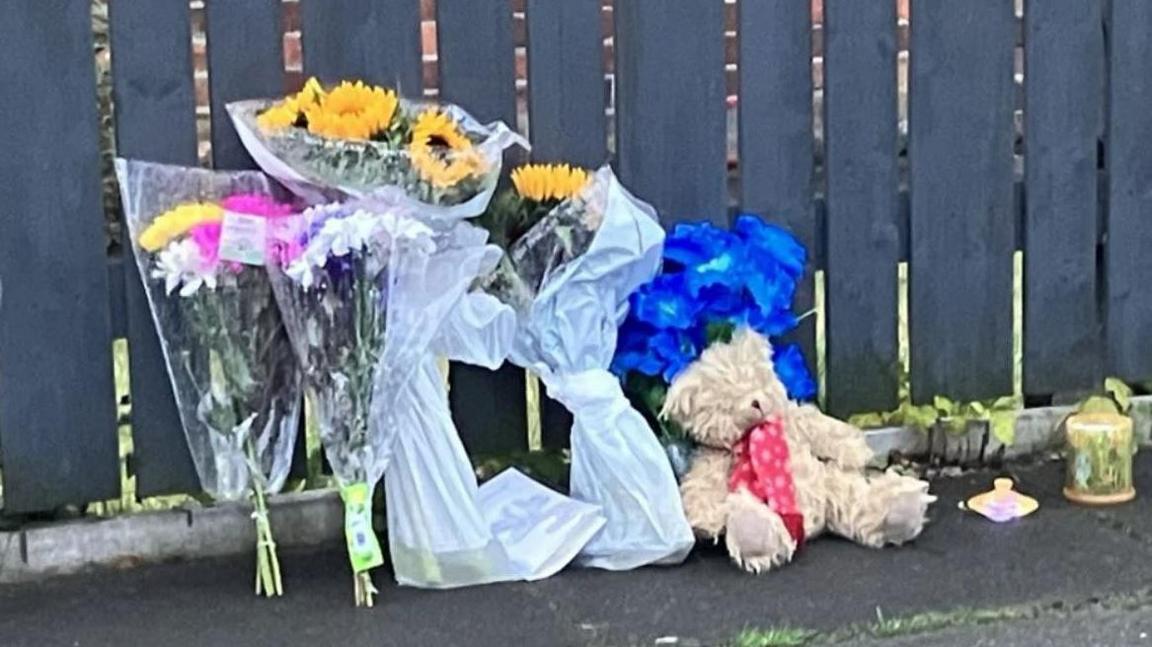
(352, 111)
(288, 112)
(544, 182)
(178, 221)
(443, 154)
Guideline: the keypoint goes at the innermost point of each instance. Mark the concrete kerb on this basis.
(316, 518)
(299, 519)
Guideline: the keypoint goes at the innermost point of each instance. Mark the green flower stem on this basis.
(365, 590)
(268, 581)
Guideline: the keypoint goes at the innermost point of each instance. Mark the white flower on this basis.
(180, 264)
(359, 230)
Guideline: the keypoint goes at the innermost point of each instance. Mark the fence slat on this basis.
(57, 401)
(566, 120)
(245, 61)
(1064, 91)
(156, 121)
(863, 237)
(1129, 261)
(374, 40)
(963, 225)
(566, 82)
(776, 138)
(670, 113)
(474, 41)
(476, 70)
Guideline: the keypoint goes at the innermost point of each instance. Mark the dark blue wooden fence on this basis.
(948, 196)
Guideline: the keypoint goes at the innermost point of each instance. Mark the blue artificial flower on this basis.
(723, 300)
(695, 243)
(769, 242)
(665, 303)
(711, 276)
(633, 352)
(771, 289)
(793, 372)
(771, 324)
(676, 348)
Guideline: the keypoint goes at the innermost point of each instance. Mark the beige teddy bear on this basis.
(769, 474)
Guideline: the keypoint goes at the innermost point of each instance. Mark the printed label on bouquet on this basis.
(363, 547)
(243, 238)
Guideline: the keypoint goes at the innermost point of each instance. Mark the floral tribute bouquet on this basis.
(335, 284)
(354, 139)
(578, 244)
(200, 240)
(713, 281)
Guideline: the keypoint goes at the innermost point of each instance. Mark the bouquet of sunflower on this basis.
(200, 239)
(578, 244)
(355, 139)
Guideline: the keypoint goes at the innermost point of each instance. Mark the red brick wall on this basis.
(292, 51)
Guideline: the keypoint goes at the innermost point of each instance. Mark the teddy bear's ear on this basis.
(750, 343)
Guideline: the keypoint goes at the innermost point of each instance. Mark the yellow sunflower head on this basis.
(441, 152)
(178, 221)
(352, 111)
(542, 182)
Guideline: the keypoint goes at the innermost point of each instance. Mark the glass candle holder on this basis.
(1099, 468)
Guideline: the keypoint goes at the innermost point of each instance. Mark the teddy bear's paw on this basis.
(907, 511)
(756, 537)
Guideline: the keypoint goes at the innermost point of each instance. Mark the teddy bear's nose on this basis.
(756, 405)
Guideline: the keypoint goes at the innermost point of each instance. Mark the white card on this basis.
(243, 238)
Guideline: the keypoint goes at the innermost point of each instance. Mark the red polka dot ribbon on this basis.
(762, 466)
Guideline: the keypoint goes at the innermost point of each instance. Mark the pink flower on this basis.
(255, 204)
(206, 235)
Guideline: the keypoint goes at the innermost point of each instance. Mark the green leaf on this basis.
(867, 420)
(1099, 404)
(1120, 392)
(922, 417)
(720, 331)
(1003, 423)
(976, 410)
(944, 406)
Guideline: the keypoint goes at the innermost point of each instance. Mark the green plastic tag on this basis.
(363, 547)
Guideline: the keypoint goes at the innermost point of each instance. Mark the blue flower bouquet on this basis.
(713, 281)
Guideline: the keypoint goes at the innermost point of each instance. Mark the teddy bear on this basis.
(768, 473)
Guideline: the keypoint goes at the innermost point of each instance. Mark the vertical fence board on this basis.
(477, 58)
(374, 40)
(670, 112)
(1129, 247)
(963, 225)
(57, 409)
(1064, 92)
(155, 121)
(245, 61)
(776, 130)
(476, 70)
(863, 237)
(566, 119)
(566, 82)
